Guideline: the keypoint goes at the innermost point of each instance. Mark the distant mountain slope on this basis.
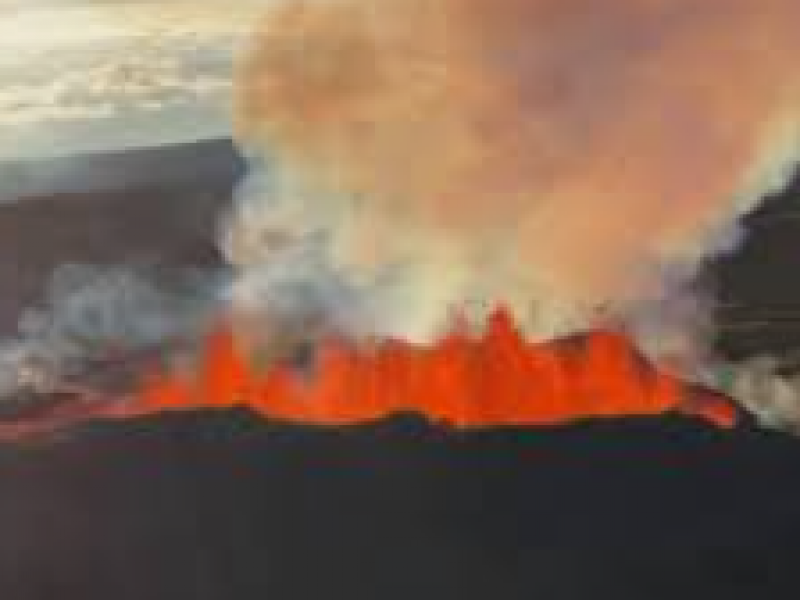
(156, 205)
(758, 285)
(208, 163)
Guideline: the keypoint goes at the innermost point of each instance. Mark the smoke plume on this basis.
(572, 160)
(99, 326)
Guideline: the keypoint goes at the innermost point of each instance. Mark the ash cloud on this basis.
(563, 158)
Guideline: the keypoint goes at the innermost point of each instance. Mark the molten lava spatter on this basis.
(499, 379)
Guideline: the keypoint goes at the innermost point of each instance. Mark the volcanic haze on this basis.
(552, 156)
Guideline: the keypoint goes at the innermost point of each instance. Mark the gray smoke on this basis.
(110, 316)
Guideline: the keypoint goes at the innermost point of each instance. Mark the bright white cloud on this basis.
(54, 24)
(79, 74)
(133, 83)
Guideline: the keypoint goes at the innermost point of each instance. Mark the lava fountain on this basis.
(497, 379)
(464, 381)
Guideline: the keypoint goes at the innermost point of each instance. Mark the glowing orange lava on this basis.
(499, 379)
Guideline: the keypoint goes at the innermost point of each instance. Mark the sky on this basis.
(82, 76)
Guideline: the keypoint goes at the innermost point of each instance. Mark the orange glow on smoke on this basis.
(511, 128)
(497, 380)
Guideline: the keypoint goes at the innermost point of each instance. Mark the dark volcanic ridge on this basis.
(402, 427)
(73, 418)
(211, 163)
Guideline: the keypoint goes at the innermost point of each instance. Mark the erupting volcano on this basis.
(464, 381)
(497, 379)
(461, 330)
(572, 161)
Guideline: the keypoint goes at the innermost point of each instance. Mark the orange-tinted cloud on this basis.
(522, 151)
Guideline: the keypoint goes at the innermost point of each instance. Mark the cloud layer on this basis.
(93, 76)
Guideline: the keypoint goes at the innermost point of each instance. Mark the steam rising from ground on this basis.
(106, 323)
(572, 160)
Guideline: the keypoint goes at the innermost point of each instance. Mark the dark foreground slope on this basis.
(227, 507)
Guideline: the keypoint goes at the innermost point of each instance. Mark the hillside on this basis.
(156, 205)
